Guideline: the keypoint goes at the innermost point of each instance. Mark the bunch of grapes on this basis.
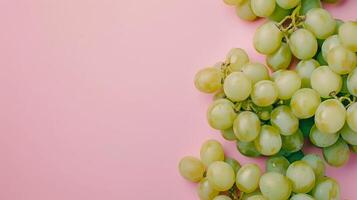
(223, 178)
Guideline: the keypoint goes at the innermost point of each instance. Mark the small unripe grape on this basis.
(325, 81)
(191, 168)
(275, 186)
(237, 86)
(326, 189)
(277, 164)
(347, 33)
(320, 22)
(305, 68)
(263, 8)
(221, 176)
(341, 60)
(211, 151)
(283, 119)
(303, 44)
(349, 135)
(280, 59)
(330, 116)
(228, 134)
(330, 43)
(352, 116)
(288, 82)
(233, 163)
(205, 191)
(293, 143)
(302, 197)
(221, 115)
(236, 58)
(246, 126)
(338, 154)
(247, 179)
(267, 38)
(352, 82)
(302, 177)
(247, 149)
(208, 80)
(269, 141)
(245, 12)
(264, 93)
(255, 72)
(322, 139)
(316, 163)
(304, 103)
(288, 4)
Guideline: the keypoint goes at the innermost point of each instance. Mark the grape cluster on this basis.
(223, 178)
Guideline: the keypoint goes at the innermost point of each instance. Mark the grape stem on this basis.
(291, 23)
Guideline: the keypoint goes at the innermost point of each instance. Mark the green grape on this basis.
(288, 82)
(330, 116)
(277, 164)
(293, 143)
(302, 177)
(326, 189)
(205, 191)
(322, 139)
(255, 72)
(211, 151)
(320, 59)
(237, 86)
(222, 197)
(208, 80)
(221, 115)
(264, 115)
(247, 179)
(264, 93)
(288, 4)
(276, 74)
(221, 176)
(228, 134)
(352, 116)
(316, 163)
(246, 126)
(263, 8)
(305, 125)
(307, 5)
(302, 197)
(280, 59)
(352, 82)
(330, 43)
(338, 154)
(248, 196)
(245, 12)
(341, 60)
(236, 58)
(279, 14)
(269, 141)
(347, 33)
(349, 135)
(247, 149)
(320, 22)
(305, 68)
(284, 120)
(304, 103)
(191, 168)
(219, 95)
(267, 38)
(303, 44)
(325, 81)
(232, 2)
(275, 186)
(256, 197)
(233, 163)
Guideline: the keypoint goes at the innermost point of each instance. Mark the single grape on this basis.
(302, 177)
(338, 154)
(237, 86)
(236, 58)
(293, 143)
(277, 164)
(191, 168)
(347, 33)
(205, 191)
(247, 196)
(275, 186)
(211, 151)
(284, 120)
(245, 12)
(255, 72)
(330, 43)
(330, 116)
(288, 82)
(221, 176)
(349, 135)
(264, 93)
(305, 68)
(322, 139)
(288, 4)
(316, 163)
(341, 60)
(247, 149)
(267, 38)
(222, 197)
(326, 189)
(352, 82)
(221, 115)
(247, 179)
(228, 134)
(325, 81)
(280, 59)
(263, 8)
(304, 103)
(320, 22)
(352, 116)
(233, 163)
(302, 197)
(233, 2)
(208, 80)
(303, 44)
(269, 141)
(246, 126)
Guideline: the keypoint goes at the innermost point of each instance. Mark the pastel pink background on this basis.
(97, 98)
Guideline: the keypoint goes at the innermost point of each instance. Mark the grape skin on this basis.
(302, 197)
(246, 126)
(301, 176)
(330, 43)
(247, 179)
(236, 59)
(304, 103)
(303, 44)
(349, 135)
(277, 164)
(330, 116)
(221, 176)
(352, 82)
(320, 22)
(264, 93)
(263, 8)
(352, 116)
(347, 33)
(237, 86)
(191, 168)
(245, 12)
(275, 186)
(269, 141)
(208, 80)
(221, 115)
(211, 151)
(280, 59)
(267, 39)
(322, 139)
(326, 189)
(205, 191)
(255, 72)
(287, 82)
(325, 81)
(222, 197)
(316, 163)
(341, 60)
(288, 4)
(338, 154)
(305, 68)
(283, 119)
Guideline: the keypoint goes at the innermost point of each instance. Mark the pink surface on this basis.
(97, 96)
